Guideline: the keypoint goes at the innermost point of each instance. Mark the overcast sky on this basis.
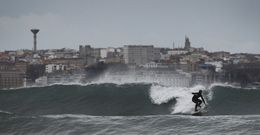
(216, 25)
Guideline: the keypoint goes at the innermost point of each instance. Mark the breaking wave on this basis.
(133, 99)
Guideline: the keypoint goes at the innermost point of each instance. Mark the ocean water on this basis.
(129, 109)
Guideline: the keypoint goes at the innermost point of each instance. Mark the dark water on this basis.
(127, 109)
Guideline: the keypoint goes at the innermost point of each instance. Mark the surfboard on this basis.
(201, 111)
(197, 113)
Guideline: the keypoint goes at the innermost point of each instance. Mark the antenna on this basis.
(173, 45)
(35, 31)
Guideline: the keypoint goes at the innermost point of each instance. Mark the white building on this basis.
(139, 54)
(60, 53)
(177, 51)
(217, 64)
(105, 51)
(54, 67)
(154, 65)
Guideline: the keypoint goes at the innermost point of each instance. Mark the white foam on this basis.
(61, 116)
(1, 111)
(182, 95)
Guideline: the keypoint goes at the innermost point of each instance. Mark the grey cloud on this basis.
(230, 25)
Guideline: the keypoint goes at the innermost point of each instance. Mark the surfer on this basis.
(196, 100)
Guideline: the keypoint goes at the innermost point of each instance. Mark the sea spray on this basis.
(167, 78)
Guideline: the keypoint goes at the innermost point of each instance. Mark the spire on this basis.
(187, 43)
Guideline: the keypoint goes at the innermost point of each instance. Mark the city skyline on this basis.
(214, 25)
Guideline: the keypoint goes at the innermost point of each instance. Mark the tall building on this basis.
(12, 75)
(139, 54)
(87, 53)
(11, 79)
(187, 43)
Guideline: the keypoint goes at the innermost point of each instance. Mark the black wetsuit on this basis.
(196, 99)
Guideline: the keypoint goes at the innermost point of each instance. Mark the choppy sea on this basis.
(128, 109)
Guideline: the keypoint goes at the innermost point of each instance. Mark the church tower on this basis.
(187, 43)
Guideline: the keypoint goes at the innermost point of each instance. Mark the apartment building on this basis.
(139, 54)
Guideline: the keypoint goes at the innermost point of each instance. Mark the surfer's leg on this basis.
(196, 106)
(199, 102)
